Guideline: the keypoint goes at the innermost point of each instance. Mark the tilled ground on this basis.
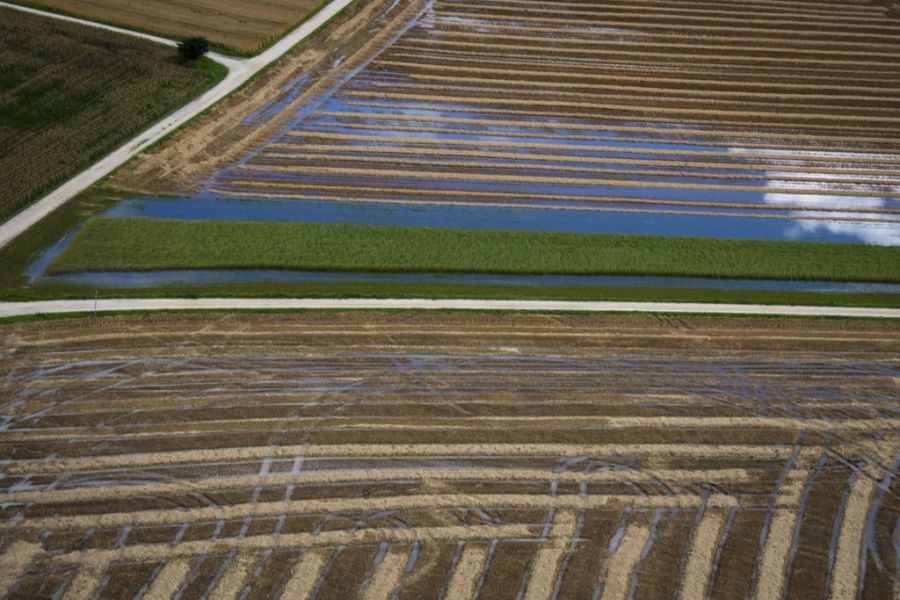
(707, 109)
(448, 456)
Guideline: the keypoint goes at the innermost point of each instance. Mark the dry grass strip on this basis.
(14, 562)
(387, 575)
(156, 459)
(694, 585)
(845, 580)
(304, 575)
(771, 580)
(465, 576)
(236, 577)
(168, 580)
(87, 580)
(187, 486)
(409, 502)
(550, 556)
(622, 563)
(151, 552)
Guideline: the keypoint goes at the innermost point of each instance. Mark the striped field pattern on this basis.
(401, 455)
(786, 109)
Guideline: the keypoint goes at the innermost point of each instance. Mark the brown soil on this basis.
(436, 455)
(240, 25)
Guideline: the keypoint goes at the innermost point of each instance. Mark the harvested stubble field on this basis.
(70, 94)
(419, 456)
(702, 107)
(243, 26)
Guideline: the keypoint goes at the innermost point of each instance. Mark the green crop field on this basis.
(148, 244)
(71, 94)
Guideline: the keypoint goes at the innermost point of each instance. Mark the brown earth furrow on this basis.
(686, 114)
(473, 200)
(802, 171)
(798, 8)
(491, 122)
(435, 502)
(688, 86)
(150, 552)
(261, 161)
(733, 154)
(649, 24)
(607, 9)
(481, 176)
(367, 475)
(517, 422)
(770, 64)
(707, 42)
(226, 453)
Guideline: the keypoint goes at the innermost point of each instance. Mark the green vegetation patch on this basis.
(70, 94)
(150, 244)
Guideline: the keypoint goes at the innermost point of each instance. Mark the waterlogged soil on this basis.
(419, 455)
(758, 122)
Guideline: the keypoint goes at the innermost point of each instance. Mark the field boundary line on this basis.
(19, 309)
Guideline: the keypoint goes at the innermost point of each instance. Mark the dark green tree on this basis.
(193, 48)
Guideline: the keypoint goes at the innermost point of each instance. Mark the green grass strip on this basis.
(150, 244)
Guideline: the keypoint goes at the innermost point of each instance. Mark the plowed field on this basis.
(239, 25)
(782, 109)
(455, 456)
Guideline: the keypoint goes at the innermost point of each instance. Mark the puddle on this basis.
(137, 279)
(620, 219)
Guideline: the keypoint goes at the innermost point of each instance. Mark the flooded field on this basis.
(671, 114)
(454, 456)
(764, 121)
(775, 120)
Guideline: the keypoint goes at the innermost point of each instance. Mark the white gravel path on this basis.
(17, 309)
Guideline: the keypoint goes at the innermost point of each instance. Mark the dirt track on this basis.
(410, 455)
